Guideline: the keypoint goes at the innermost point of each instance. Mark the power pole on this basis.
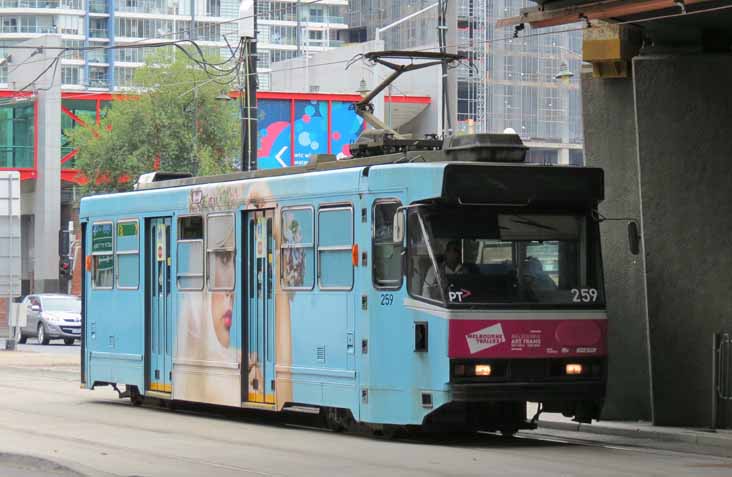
(248, 85)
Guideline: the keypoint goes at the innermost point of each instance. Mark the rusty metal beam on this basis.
(600, 10)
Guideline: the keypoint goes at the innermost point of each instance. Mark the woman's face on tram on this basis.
(222, 302)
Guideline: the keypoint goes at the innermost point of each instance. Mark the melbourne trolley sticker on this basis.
(527, 338)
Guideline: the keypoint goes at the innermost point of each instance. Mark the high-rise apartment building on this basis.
(286, 29)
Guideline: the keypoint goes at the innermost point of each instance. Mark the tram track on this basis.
(227, 441)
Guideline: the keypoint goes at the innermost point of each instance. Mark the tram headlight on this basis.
(573, 369)
(483, 370)
(459, 370)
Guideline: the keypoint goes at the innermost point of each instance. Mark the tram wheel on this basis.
(508, 432)
(337, 420)
(136, 398)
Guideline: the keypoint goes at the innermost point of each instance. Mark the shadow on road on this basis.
(298, 421)
(28, 466)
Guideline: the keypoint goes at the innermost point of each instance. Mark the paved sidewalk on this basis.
(638, 429)
(34, 359)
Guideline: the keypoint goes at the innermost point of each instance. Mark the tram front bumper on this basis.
(529, 391)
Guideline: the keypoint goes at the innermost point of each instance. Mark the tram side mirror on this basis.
(398, 229)
(633, 237)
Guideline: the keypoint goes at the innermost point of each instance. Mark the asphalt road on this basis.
(44, 414)
(54, 347)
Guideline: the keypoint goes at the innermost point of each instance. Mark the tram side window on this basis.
(128, 254)
(297, 252)
(221, 251)
(387, 261)
(190, 253)
(103, 255)
(335, 242)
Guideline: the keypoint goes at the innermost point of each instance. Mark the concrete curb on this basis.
(700, 438)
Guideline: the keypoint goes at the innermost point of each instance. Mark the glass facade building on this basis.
(505, 82)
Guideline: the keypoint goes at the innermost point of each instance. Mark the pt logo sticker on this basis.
(459, 295)
(486, 338)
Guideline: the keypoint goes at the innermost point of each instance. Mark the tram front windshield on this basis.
(475, 254)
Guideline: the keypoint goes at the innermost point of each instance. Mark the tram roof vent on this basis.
(486, 148)
(159, 176)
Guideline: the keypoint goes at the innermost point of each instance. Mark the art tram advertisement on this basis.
(411, 289)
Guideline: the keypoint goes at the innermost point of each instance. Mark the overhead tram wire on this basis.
(137, 44)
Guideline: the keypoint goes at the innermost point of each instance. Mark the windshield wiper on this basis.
(525, 221)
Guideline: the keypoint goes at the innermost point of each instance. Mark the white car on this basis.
(51, 316)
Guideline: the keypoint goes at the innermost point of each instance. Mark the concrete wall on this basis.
(663, 138)
(610, 143)
(683, 114)
(29, 69)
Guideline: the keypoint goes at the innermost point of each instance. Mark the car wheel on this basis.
(19, 336)
(42, 336)
(69, 341)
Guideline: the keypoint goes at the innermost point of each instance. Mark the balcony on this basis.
(98, 6)
(28, 29)
(98, 33)
(66, 4)
(98, 83)
(330, 19)
(96, 56)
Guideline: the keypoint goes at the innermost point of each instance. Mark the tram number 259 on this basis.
(584, 295)
(387, 299)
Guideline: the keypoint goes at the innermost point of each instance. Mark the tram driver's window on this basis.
(387, 261)
(190, 253)
(221, 251)
(103, 255)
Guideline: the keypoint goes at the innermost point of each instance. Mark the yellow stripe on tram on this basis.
(160, 387)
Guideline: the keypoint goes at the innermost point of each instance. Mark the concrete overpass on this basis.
(658, 119)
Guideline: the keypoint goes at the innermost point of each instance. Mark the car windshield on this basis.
(68, 304)
(475, 254)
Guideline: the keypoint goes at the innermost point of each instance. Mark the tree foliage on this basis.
(154, 128)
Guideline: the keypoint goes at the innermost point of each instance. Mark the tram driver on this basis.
(451, 265)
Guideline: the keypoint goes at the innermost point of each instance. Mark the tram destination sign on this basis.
(102, 240)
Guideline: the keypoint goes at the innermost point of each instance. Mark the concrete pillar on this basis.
(563, 156)
(610, 143)
(683, 111)
(47, 201)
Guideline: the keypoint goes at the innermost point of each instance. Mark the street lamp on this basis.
(565, 74)
(363, 90)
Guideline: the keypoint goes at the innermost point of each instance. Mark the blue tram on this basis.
(433, 287)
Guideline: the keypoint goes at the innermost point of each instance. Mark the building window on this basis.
(69, 75)
(103, 255)
(297, 255)
(221, 251)
(190, 253)
(128, 254)
(335, 244)
(98, 77)
(387, 255)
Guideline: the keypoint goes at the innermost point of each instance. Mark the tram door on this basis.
(159, 317)
(260, 319)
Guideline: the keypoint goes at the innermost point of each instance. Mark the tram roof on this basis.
(438, 158)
